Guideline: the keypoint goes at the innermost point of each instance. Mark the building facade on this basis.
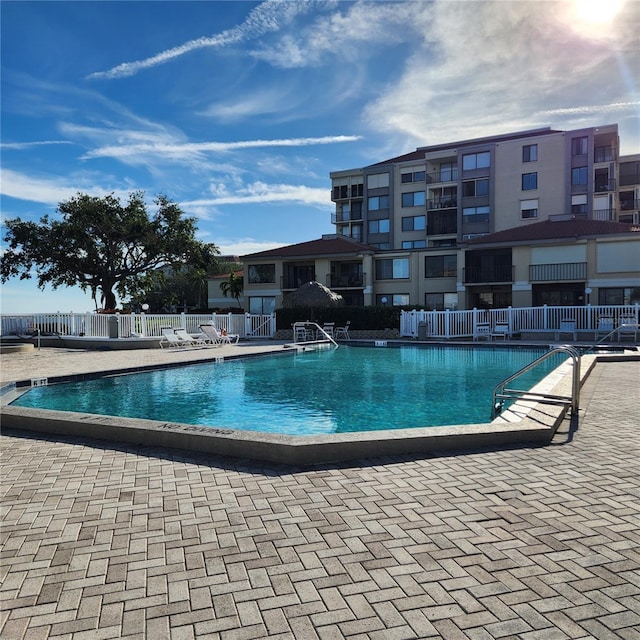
(431, 222)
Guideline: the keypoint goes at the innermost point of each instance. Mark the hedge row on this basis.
(362, 318)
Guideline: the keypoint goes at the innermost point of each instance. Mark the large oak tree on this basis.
(103, 245)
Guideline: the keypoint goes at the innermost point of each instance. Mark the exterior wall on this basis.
(551, 179)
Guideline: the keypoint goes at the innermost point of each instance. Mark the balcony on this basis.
(557, 272)
(444, 175)
(487, 275)
(441, 224)
(352, 280)
(604, 185)
(629, 205)
(604, 214)
(604, 154)
(442, 203)
(343, 218)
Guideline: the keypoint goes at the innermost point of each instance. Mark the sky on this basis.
(238, 111)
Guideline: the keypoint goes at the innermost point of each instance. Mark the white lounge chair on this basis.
(628, 327)
(219, 337)
(605, 327)
(186, 338)
(567, 327)
(171, 339)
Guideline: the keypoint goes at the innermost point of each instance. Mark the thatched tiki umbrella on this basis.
(312, 294)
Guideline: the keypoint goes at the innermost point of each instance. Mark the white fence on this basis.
(96, 325)
(462, 324)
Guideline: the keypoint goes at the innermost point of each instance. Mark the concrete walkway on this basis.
(136, 543)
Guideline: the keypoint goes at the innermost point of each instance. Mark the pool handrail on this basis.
(501, 393)
(317, 328)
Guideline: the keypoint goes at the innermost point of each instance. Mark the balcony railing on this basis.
(604, 185)
(346, 281)
(604, 214)
(629, 205)
(604, 154)
(442, 203)
(444, 175)
(441, 224)
(557, 272)
(339, 218)
(476, 275)
(293, 282)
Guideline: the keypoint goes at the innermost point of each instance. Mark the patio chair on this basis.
(482, 331)
(605, 327)
(628, 326)
(210, 337)
(220, 337)
(328, 328)
(342, 332)
(567, 327)
(501, 330)
(171, 339)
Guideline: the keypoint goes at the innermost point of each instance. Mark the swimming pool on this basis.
(351, 389)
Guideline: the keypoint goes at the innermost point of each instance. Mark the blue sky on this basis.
(238, 111)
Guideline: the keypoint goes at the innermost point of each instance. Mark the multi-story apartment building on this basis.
(425, 227)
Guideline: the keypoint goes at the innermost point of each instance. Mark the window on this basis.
(579, 175)
(377, 180)
(475, 214)
(414, 223)
(529, 181)
(262, 305)
(530, 153)
(619, 295)
(262, 273)
(414, 244)
(476, 161)
(413, 199)
(416, 176)
(579, 146)
(378, 202)
(528, 209)
(356, 190)
(579, 204)
(340, 191)
(448, 171)
(379, 226)
(471, 188)
(441, 266)
(441, 301)
(392, 269)
(380, 245)
(395, 299)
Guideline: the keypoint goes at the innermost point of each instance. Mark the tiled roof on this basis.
(333, 245)
(555, 229)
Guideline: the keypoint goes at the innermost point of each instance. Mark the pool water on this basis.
(325, 391)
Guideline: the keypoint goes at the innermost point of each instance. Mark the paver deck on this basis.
(146, 543)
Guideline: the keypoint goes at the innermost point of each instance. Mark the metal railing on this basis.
(501, 393)
(555, 272)
(309, 331)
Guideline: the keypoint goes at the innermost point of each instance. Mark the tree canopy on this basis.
(103, 245)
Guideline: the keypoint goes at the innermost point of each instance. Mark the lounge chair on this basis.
(187, 338)
(342, 332)
(628, 327)
(171, 339)
(219, 337)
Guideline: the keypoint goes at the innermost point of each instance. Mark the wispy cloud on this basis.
(267, 17)
(260, 192)
(31, 145)
(191, 148)
(587, 109)
(244, 246)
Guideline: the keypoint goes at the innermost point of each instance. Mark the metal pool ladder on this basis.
(502, 393)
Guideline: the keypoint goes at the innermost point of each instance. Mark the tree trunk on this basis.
(109, 299)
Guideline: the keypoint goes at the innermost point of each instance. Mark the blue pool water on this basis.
(324, 391)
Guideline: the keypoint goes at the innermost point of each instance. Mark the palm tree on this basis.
(233, 287)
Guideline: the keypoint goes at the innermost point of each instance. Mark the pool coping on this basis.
(525, 423)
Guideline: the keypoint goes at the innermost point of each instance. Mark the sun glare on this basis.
(594, 13)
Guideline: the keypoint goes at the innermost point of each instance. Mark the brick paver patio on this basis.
(143, 543)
